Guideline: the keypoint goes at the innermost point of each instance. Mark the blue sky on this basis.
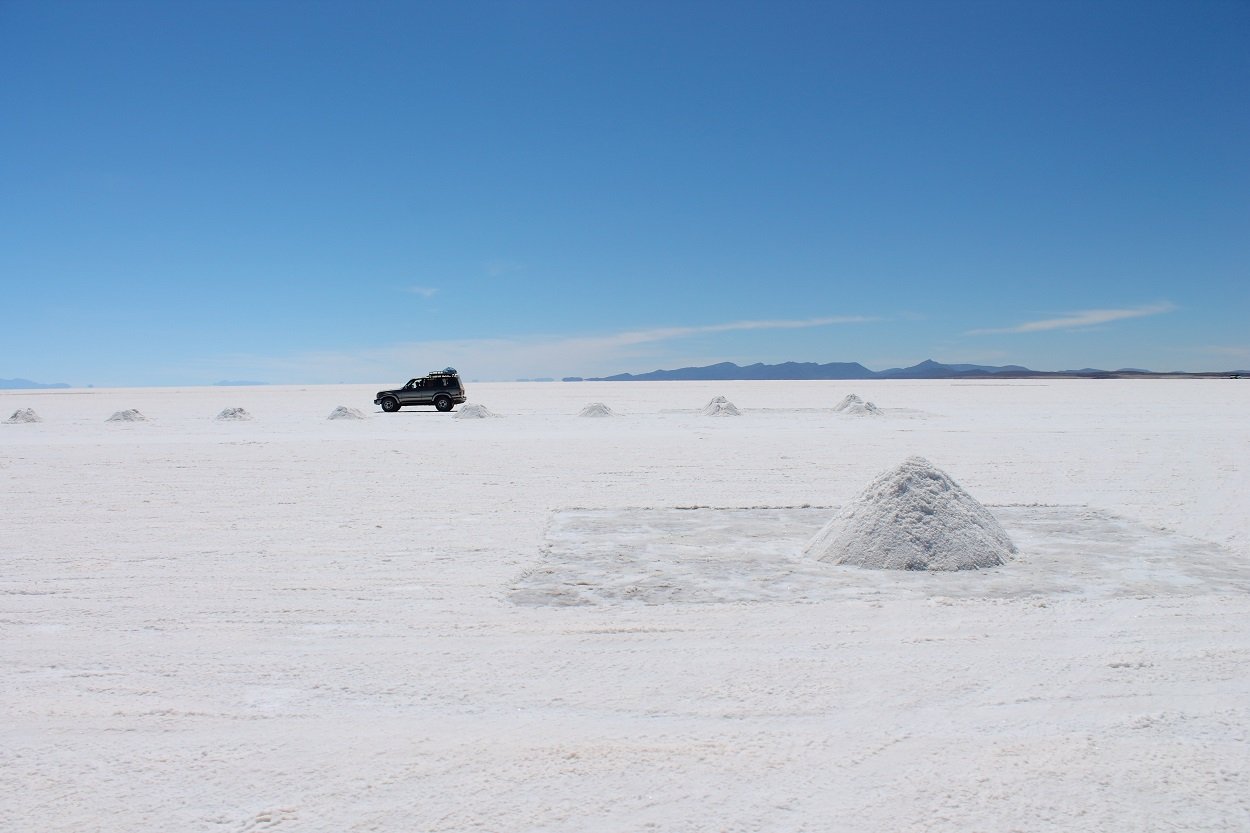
(325, 191)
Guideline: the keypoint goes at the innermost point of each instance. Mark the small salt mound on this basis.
(24, 415)
(344, 412)
(913, 517)
(862, 409)
(597, 409)
(847, 401)
(720, 406)
(234, 415)
(128, 415)
(475, 412)
(722, 409)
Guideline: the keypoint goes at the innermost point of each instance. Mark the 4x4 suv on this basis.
(441, 388)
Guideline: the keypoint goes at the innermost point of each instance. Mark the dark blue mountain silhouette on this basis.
(26, 384)
(927, 369)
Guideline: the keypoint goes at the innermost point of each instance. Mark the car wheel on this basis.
(443, 403)
(390, 404)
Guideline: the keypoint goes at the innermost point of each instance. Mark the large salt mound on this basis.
(344, 412)
(475, 412)
(847, 401)
(234, 415)
(913, 517)
(597, 409)
(128, 415)
(24, 415)
(720, 406)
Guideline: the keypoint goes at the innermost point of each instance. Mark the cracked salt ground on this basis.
(689, 556)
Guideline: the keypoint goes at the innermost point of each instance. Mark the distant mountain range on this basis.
(26, 384)
(927, 369)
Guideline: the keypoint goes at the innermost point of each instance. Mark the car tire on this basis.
(443, 403)
(390, 404)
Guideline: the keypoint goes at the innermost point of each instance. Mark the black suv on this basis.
(441, 388)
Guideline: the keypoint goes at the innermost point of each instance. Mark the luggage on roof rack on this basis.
(440, 388)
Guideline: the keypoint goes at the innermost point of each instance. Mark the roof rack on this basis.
(446, 371)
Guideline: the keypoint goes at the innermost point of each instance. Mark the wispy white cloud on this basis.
(423, 291)
(500, 267)
(500, 358)
(672, 333)
(1235, 351)
(1078, 320)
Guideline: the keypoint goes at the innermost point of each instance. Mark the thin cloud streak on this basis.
(1232, 351)
(423, 291)
(1078, 320)
(496, 358)
(670, 333)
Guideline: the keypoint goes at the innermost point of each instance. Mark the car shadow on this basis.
(405, 412)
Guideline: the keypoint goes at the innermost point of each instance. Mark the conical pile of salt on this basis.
(234, 415)
(913, 517)
(720, 406)
(23, 415)
(862, 409)
(128, 415)
(597, 409)
(475, 412)
(344, 412)
(847, 401)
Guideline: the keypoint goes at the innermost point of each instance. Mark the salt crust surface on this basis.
(24, 415)
(344, 412)
(475, 412)
(281, 625)
(710, 555)
(913, 517)
(128, 415)
(597, 409)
